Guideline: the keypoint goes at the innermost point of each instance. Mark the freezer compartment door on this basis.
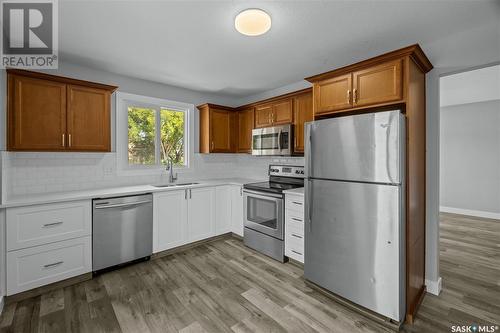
(366, 147)
(354, 243)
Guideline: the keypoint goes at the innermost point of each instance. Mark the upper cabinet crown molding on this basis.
(61, 79)
(415, 52)
(53, 113)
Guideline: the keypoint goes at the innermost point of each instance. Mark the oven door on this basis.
(272, 140)
(264, 213)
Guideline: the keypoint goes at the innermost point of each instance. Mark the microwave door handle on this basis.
(279, 140)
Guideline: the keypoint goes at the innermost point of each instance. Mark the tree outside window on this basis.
(156, 136)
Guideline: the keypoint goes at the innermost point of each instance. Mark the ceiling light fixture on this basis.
(252, 22)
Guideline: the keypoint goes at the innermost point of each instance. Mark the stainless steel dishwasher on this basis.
(122, 230)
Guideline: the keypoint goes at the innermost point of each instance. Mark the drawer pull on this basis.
(297, 252)
(53, 264)
(297, 203)
(46, 225)
(296, 219)
(295, 235)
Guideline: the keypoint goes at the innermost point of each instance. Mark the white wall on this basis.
(473, 86)
(470, 158)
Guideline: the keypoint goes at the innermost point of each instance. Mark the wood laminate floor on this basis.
(226, 287)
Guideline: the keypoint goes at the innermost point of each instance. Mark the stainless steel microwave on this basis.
(275, 140)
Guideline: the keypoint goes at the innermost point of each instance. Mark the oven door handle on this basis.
(262, 195)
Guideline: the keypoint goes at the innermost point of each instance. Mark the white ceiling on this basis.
(478, 85)
(194, 44)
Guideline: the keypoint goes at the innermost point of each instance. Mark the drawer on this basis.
(295, 203)
(41, 265)
(293, 227)
(43, 224)
(294, 248)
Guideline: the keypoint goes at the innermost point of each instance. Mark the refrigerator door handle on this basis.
(308, 208)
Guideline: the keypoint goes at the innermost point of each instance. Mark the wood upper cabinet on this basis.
(333, 94)
(263, 115)
(36, 114)
(88, 119)
(217, 129)
(277, 112)
(245, 127)
(282, 112)
(303, 112)
(53, 113)
(378, 84)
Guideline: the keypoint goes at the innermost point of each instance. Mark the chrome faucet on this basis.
(170, 169)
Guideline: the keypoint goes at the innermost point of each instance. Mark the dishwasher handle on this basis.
(126, 204)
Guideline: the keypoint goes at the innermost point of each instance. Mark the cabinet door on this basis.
(36, 114)
(303, 112)
(263, 114)
(237, 210)
(282, 112)
(169, 220)
(88, 119)
(332, 94)
(378, 84)
(220, 131)
(201, 213)
(245, 127)
(222, 209)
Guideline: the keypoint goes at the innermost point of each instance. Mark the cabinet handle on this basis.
(241, 191)
(297, 236)
(348, 96)
(69, 140)
(190, 193)
(185, 194)
(63, 139)
(46, 225)
(297, 252)
(296, 219)
(212, 145)
(53, 264)
(355, 96)
(297, 203)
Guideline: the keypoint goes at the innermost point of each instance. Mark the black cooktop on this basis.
(272, 186)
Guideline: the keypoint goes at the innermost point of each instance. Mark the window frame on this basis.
(123, 102)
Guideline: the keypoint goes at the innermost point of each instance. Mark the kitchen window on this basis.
(152, 131)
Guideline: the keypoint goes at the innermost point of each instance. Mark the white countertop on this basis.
(298, 190)
(45, 198)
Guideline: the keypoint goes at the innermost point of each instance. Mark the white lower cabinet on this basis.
(294, 227)
(237, 209)
(47, 243)
(40, 265)
(182, 216)
(222, 209)
(169, 220)
(201, 213)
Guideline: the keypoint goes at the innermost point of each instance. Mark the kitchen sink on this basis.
(175, 185)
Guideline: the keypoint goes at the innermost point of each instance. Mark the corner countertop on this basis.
(46, 198)
(297, 191)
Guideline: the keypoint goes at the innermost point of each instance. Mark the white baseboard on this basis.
(478, 213)
(433, 287)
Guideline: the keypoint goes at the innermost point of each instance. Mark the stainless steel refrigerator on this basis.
(355, 209)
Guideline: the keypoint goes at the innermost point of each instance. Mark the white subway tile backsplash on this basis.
(30, 173)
